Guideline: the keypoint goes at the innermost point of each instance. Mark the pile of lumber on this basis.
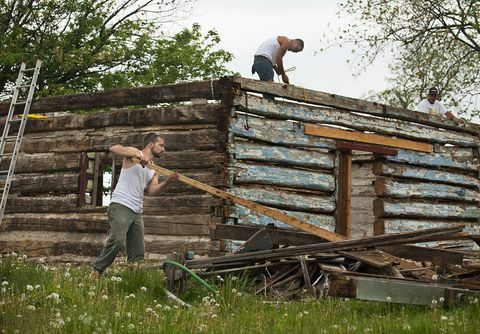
(387, 268)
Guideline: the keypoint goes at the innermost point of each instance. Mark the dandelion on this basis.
(105, 297)
(41, 261)
(67, 274)
(434, 277)
(38, 286)
(239, 294)
(143, 289)
(305, 312)
(4, 283)
(434, 302)
(443, 318)
(131, 326)
(4, 290)
(119, 279)
(167, 308)
(441, 299)
(31, 307)
(234, 290)
(158, 306)
(91, 293)
(129, 315)
(29, 287)
(214, 315)
(220, 278)
(217, 305)
(54, 296)
(81, 285)
(131, 295)
(13, 254)
(234, 278)
(116, 314)
(389, 299)
(149, 310)
(24, 256)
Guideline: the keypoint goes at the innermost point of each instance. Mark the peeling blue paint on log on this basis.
(421, 173)
(287, 200)
(283, 155)
(246, 216)
(288, 177)
(276, 132)
(435, 159)
(389, 188)
(385, 208)
(312, 114)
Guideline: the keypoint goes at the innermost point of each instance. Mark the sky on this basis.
(244, 24)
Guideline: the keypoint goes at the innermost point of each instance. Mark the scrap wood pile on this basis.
(380, 268)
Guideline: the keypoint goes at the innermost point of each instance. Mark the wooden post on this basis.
(344, 193)
(82, 179)
(96, 178)
(175, 279)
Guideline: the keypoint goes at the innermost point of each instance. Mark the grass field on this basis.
(40, 298)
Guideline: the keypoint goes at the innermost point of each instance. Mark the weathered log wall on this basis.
(271, 156)
(48, 213)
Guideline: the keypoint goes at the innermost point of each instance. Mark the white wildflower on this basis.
(167, 308)
(54, 296)
(105, 297)
(4, 283)
(239, 294)
(389, 299)
(29, 287)
(234, 278)
(67, 274)
(443, 318)
(441, 299)
(91, 293)
(143, 289)
(38, 286)
(220, 278)
(116, 314)
(234, 290)
(4, 290)
(214, 315)
(31, 307)
(131, 326)
(41, 261)
(131, 295)
(434, 277)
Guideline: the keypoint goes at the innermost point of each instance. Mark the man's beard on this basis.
(156, 154)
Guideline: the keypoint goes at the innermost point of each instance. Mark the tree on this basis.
(89, 45)
(434, 44)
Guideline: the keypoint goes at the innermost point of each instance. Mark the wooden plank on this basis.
(399, 225)
(390, 188)
(293, 221)
(282, 199)
(425, 254)
(283, 155)
(373, 258)
(276, 132)
(427, 174)
(279, 237)
(386, 208)
(314, 114)
(281, 176)
(249, 217)
(47, 162)
(344, 221)
(346, 103)
(126, 97)
(192, 201)
(34, 183)
(367, 148)
(452, 158)
(185, 114)
(315, 130)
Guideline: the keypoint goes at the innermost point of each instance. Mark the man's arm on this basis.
(128, 152)
(444, 111)
(154, 187)
(284, 42)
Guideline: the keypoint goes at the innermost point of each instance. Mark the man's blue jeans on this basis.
(264, 68)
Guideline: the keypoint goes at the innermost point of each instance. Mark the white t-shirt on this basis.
(436, 108)
(269, 49)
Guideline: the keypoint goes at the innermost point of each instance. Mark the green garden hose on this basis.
(195, 276)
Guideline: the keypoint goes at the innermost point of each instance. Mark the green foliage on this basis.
(433, 44)
(90, 45)
(41, 298)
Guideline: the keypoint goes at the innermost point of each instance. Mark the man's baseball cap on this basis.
(433, 91)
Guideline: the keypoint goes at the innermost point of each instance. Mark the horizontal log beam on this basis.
(385, 208)
(246, 216)
(427, 174)
(276, 132)
(47, 162)
(282, 199)
(367, 148)
(390, 188)
(126, 97)
(283, 155)
(453, 158)
(182, 115)
(60, 182)
(346, 103)
(315, 130)
(282, 176)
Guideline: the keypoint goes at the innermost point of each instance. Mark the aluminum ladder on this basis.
(18, 100)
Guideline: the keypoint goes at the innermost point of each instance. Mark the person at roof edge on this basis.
(431, 105)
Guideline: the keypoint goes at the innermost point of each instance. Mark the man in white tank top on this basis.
(432, 106)
(125, 210)
(269, 57)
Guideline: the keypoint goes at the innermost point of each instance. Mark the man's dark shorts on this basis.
(264, 67)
